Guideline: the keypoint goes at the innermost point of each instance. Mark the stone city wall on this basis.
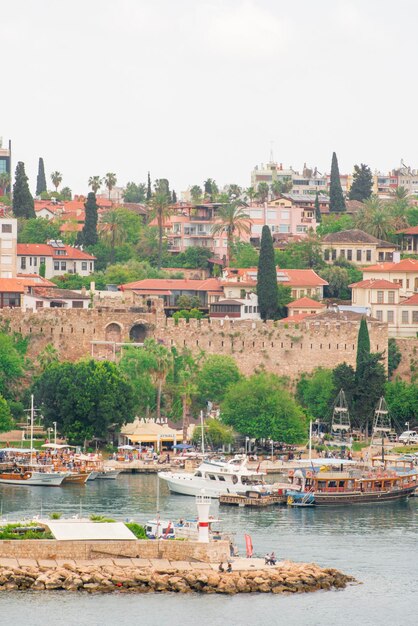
(285, 349)
(45, 549)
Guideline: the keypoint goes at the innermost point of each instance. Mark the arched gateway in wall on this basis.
(138, 332)
(113, 332)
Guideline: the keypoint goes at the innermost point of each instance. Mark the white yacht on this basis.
(215, 478)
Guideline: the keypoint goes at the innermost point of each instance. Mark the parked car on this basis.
(409, 436)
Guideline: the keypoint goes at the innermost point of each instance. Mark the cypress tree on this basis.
(336, 197)
(267, 290)
(318, 215)
(149, 190)
(22, 198)
(173, 197)
(88, 236)
(40, 180)
(363, 347)
(361, 189)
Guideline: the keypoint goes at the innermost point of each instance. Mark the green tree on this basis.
(110, 181)
(193, 257)
(260, 407)
(316, 392)
(338, 280)
(232, 220)
(210, 188)
(173, 197)
(234, 191)
(149, 190)
(37, 230)
(160, 206)
(6, 419)
(113, 231)
(216, 434)
(23, 205)
(250, 194)
(301, 254)
(217, 373)
(12, 364)
(370, 386)
(137, 365)
(244, 254)
(135, 193)
(284, 293)
(47, 356)
(263, 192)
(4, 181)
(361, 188)
(344, 377)
(363, 347)
(268, 296)
(162, 186)
(66, 194)
(196, 193)
(86, 398)
(95, 182)
(163, 362)
(402, 400)
(318, 215)
(336, 197)
(334, 223)
(88, 236)
(40, 179)
(394, 356)
(56, 178)
(375, 218)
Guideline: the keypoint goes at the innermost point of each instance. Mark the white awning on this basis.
(83, 531)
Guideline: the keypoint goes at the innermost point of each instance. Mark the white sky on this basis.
(194, 88)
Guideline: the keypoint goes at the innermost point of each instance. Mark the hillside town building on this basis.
(357, 247)
(57, 258)
(8, 244)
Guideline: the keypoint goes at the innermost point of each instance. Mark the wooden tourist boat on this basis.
(77, 477)
(321, 488)
(31, 477)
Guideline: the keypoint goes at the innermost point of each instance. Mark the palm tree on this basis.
(250, 193)
(196, 193)
(95, 183)
(163, 362)
(160, 205)
(56, 178)
(232, 220)
(110, 181)
(263, 191)
(113, 232)
(4, 181)
(375, 218)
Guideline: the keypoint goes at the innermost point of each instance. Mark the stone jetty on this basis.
(158, 575)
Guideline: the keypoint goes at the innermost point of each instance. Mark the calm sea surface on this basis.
(378, 545)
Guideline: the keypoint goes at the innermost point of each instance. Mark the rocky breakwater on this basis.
(286, 577)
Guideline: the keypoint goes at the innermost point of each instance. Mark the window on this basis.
(271, 215)
(415, 317)
(342, 254)
(358, 255)
(56, 265)
(379, 316)
(35, 261)
(284, 228)
(391, 297)
(77, 304)
(91, 265)
(380, 297)
(6, 259)
(256, 213)
(349, 255)
(6, 228)
(368, 255)
(60, 252)
(84, 266)
(63, 265)
(23, 262)
(6, 244)
(39, 304)
(246, 309)
(326, 255)
(9, 299)
(405, 317)
(381, 256)
(334, 255)
(284, 215)
(407, 283)
(42, 260)
(390, 317)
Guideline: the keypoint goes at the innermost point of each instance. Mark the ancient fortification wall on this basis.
(286, 349)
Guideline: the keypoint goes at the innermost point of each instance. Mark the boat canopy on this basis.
(320, 462)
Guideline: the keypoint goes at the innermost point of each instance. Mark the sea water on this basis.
(376, 544)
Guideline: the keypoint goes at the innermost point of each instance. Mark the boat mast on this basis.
(341, 417)
(310, 440)
(203, 434)
(31, 429)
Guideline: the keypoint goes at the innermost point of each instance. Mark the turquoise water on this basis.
(378, 545)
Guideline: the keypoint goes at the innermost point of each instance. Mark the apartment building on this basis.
(404, 273)
(8, 243)
(358, 247)
(237, 282)
(5, 162)
(57, 258)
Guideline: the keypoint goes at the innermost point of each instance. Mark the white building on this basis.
(38, 297)
(57, 258)
(8, 243)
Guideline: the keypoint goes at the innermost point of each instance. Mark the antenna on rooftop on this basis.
(271, 152)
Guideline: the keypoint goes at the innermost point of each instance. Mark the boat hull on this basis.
(79, 479)
(350, 498)
(108, 474)
(193, 486)
(36, 479)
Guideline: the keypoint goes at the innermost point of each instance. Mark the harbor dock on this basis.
(257, 500)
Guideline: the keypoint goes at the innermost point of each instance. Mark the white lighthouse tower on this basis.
(203, 505)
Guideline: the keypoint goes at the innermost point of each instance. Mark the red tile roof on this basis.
(412, 300)
(406, 265)
(44, 249)
(16, 285)
(150, 285)
(305, 303)
(375, 283)
(296, 318)
(290, 277)
(413, 230)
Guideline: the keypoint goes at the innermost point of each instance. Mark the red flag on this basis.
(248, 546)
(167, 531)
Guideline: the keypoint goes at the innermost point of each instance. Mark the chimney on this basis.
(83, 291)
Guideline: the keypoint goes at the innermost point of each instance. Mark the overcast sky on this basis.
(191, 89)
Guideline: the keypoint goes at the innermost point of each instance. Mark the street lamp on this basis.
(55, 432)
(407, 425)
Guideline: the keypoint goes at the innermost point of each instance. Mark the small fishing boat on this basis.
(31, 477)
(77, 477)
(108, 474)
(159, 529)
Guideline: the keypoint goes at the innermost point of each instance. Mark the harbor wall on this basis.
(47, 549)
(286, 349)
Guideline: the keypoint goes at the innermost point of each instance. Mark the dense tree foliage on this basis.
(37, 230)
(267, 292)
(12, 363)
(301, 255)
(135, 192)
(261, 407)
(394, 356)
(361, 188)
(88, 236)
(6, 419)
(315, 392)
(216, 434)
(336, 196)
(23, 205)
(40, 179)
(217, 374)
(244, 254)
(86, 398)
(334, 223)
